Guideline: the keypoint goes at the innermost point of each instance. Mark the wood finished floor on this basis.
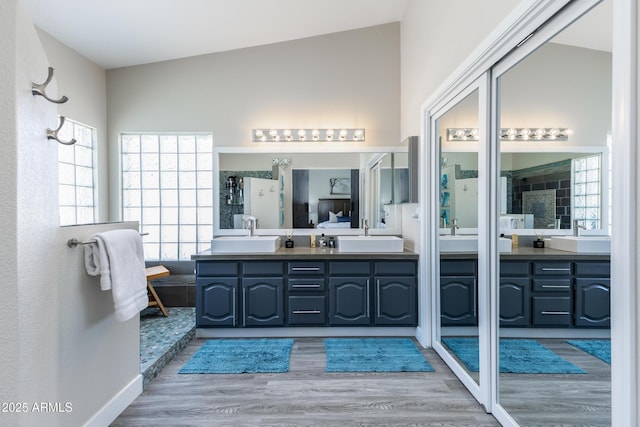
(308, 396)
(305, 396)
(561, 400)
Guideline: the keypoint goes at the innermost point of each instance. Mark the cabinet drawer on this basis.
(551, 311)
(457, 268)
(305, 268)
(552, 268)
(306, 285)
(395, 268)
(514, 268)
(260, 268)
(307, 310)
(593, 269)
(349, 268)
(552, 285)
(212, 268)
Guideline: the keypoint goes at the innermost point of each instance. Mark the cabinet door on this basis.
(263, 301)
(349, 301)
(593, 302)
(458, 301)
(514, 301)
(216, 301)
(396, 301)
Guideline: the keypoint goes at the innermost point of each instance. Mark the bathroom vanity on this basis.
(308, 287)
(539, 288)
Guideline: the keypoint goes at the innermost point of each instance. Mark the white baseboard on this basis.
(364, 331)
(109, 412)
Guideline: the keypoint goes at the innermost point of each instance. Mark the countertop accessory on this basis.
(53, 133)
(539, 242)
(41, 89)
(289, 242)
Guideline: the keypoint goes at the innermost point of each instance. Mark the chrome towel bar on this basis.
(73, 242)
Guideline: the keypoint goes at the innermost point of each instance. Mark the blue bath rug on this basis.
(237, 356)
(374, 355)
(517, 356)
(598, 348)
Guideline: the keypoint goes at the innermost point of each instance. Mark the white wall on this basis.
(60, 343)
(9, 333)
(85, 83)
(436, 37)
(35, 222)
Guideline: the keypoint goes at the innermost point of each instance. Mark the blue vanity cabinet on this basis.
(263, 293)
(396, 293)
(458, 298)
(306, 287)
(349, 293)
(551, 297)
(217, 294)
(515, 286)
(592, 294)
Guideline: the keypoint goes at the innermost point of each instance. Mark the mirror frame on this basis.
(283, 148)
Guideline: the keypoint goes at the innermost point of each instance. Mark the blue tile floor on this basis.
(161, 338)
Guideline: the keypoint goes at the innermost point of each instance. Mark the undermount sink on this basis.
(370, 244)
(581, 244)
(462, 243)
(245, 244)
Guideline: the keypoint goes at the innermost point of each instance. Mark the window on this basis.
(587, 184)
(76, 174)
(167, 185)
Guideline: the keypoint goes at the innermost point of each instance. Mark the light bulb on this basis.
(259, 133)
(302, 134)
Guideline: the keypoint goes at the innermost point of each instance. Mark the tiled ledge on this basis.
(161, 338)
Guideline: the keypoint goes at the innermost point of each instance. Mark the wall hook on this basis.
(53, 133)
(41, 89)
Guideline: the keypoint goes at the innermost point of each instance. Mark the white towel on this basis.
(118, 257)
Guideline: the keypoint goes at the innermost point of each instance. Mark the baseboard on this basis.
(109, 412)
(364, 331)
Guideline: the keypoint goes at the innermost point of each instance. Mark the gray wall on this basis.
(85, 83)
(347, 79)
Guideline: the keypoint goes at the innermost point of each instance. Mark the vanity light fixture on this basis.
(302, 135)
(512, 134)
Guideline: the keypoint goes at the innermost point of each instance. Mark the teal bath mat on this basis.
(598, 348)
(517, 356)
(374, 355)
(237, 356)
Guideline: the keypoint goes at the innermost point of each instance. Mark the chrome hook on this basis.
(41, 88)
(53, 133)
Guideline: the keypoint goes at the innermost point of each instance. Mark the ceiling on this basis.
(119, 33)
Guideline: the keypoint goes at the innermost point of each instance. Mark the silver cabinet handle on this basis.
(555, 269)
(556, 286)
(305, 286)
(563, 313)
(306, 312)
(305, 268)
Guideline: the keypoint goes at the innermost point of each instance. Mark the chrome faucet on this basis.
(577, 227)
(365, 226)
(454, 226)
(250, 224)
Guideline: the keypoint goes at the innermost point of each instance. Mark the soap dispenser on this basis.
(322, 241)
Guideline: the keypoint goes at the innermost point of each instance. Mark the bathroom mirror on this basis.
(538, 190)
(556, 84)
(306, 190)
